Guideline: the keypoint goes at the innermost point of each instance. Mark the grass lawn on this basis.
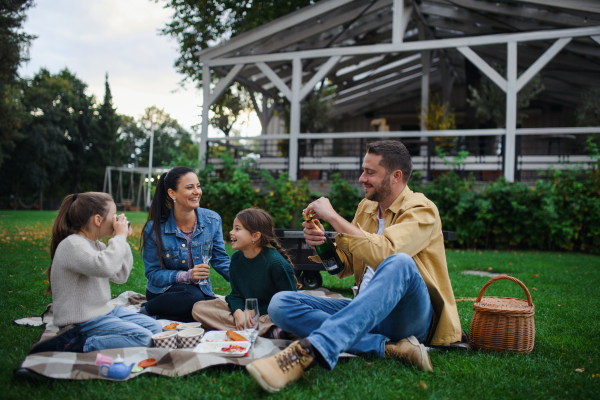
(563, 286)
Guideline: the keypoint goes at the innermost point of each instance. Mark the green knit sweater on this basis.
(259, 277)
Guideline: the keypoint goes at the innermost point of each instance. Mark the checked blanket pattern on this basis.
(170, 362)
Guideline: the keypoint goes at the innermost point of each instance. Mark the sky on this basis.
(121, 38)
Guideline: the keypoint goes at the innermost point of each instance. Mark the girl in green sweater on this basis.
(259, 269)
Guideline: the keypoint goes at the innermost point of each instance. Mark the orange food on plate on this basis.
(233, 348)
(172, 325)
(149, 362)
(236, 337)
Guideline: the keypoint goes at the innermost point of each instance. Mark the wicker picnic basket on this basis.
(503, 323)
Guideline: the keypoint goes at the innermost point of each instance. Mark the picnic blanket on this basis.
(170, 362)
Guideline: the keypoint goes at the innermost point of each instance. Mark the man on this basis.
(395, 249)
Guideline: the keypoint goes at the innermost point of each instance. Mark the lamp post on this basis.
(149, 179)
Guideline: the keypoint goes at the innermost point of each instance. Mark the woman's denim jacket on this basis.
(175, 252)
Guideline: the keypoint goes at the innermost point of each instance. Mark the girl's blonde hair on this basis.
(74, 214)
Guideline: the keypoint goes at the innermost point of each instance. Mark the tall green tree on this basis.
(14, 46)
(56, 145)
(108, 146)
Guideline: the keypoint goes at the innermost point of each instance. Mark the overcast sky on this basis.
(93, 37)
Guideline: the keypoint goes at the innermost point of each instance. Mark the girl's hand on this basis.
(120, 225)
(200, 271)
(239, 316)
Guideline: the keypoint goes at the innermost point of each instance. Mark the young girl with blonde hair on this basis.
(259, 269)
(79, 275)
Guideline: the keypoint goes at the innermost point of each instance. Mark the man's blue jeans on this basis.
(394, 306)
(119, 328)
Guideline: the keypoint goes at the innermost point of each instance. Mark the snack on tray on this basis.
(233, 349)
(172, 325)
(236, 337)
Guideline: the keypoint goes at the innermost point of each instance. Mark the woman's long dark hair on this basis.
(161, 207)
(74, 214)
(258, 220)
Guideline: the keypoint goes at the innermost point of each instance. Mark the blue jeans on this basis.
(117, 329)
(176, 303)
(394, 306)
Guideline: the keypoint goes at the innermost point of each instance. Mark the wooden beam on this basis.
(324, 70)
(295, 118)
(496, 9)
(483, 67)
(412, 46)
(574, 5)
(274, 78)
(271, 28)
(224, 83)
(511, 112)
(541, 62)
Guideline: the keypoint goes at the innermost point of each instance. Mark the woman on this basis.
(172, 242)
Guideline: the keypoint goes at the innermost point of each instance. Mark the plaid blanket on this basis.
(81, 366)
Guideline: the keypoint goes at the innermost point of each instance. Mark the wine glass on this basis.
(206, 256)
(251, 319)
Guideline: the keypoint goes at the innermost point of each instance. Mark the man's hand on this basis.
(313, 236)
(200, 271)
(322, 209)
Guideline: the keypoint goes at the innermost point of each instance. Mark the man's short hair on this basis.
(394, 156)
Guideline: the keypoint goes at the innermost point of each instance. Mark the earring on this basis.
(253, 242)
(174, 200)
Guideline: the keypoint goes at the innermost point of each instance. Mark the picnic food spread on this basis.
(236, 337)
(172, 325)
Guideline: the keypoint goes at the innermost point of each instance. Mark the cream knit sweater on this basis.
(80, 276)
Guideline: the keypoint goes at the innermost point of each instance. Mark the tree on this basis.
(198, 24)
(109, 149)
(55, 149)
(228, 108)
(169, 138)
(13, 51)
(489, 100)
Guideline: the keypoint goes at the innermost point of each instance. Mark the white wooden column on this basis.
(295, 118)
(205, 107)
(511, 112)
(426, 64)
(398, 25)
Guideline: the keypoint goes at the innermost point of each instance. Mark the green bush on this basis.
(561, 213)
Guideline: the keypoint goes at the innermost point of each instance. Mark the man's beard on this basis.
(380, 193)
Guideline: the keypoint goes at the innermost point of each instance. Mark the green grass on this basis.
(567, 334)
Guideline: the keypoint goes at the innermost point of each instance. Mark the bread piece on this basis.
(236, 337)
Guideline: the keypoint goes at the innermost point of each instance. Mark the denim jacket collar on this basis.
(201, 222)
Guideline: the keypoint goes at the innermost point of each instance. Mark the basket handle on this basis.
(510, 278)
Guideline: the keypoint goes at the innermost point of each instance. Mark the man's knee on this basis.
(400, 261)
(279, 302)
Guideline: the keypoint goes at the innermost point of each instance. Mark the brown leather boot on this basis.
(274, 373)
(410, 351)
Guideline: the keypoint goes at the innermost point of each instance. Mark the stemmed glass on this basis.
(206, 256)
(251, 320)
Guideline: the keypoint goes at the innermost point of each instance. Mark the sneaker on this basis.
(69, 341)
(274, 373)
(410, 351)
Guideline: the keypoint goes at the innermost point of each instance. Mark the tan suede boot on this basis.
(410, 351)
(274, 373)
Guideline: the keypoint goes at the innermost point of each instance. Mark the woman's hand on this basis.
(120, 225)
(239, 316)
(200, 271)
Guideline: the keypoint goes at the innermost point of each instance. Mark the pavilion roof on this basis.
(369, 82)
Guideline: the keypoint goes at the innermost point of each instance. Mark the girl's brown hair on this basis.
(74, 214)
(258, 220)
